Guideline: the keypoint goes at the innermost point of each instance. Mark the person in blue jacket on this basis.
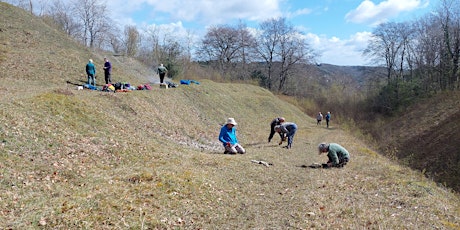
(289, 129)
(91, 72)
(228, 138)
(328, 118)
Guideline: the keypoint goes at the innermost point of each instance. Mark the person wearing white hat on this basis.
(228, 137)
(91, 72)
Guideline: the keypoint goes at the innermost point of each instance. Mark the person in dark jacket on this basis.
(337, 155)
(107, 71)
(91, 72)
(275, 122)
(328, 118)
(289, 129)
(162, 72)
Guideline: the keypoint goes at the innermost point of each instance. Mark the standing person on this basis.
(275, 122)
(328, 118)
(228, 137)
(319, 118)
(91, 72)
(162, 72)
(289, 129)
(107, 71)
(337, 155)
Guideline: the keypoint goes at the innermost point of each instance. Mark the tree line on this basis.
(232, 51)
(421, 57)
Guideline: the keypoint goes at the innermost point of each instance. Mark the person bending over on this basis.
(289, 129)
(275, 122)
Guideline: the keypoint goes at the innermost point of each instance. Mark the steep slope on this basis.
(45, 57)
(425, 137)
(151, 160)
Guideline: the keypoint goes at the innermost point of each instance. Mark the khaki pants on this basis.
(233, 149)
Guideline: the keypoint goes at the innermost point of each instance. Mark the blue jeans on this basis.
(292, 130)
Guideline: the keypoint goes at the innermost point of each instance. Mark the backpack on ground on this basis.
(118, 86)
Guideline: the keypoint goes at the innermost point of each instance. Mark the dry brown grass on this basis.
(151, 160)
(425, 137)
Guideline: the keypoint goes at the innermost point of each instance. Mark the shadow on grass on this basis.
(264, 145)
(224, 153)
(79, 83)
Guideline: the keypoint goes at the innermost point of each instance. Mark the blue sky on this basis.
(336, 29)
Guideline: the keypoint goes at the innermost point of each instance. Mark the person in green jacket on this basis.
(91, 72)
(162, 72)
(337, 155)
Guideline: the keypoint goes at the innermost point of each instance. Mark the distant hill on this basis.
(361, 75)
(150, 159)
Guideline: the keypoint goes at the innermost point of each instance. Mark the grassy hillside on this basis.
(425, 137)
(151, 160)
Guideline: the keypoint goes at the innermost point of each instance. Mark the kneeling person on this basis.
(337, 155)
(228, 137)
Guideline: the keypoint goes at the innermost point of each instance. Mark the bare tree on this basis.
(61, 13)
(450, 23)
(220, 46)
(92, 15)
(162, 45)
(385, 45)
(131, 40)
(426, 51)
(267, 43)
(281, 46)
(246, 51)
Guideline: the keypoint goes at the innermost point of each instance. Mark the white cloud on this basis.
(203, 11)
(332, 49)
(339, 51)
(368, 12)
(299, 12)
